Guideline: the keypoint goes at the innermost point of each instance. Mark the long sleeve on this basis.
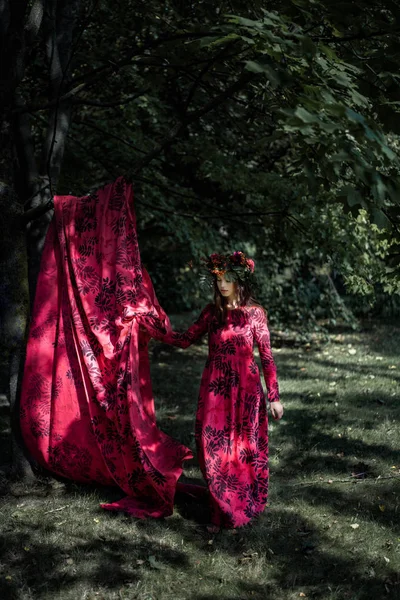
(162, 331)
(192, 334)
(262, 338)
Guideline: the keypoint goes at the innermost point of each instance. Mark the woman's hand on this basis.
(276, 410)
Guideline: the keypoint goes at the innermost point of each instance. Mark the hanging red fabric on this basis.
(87, 409)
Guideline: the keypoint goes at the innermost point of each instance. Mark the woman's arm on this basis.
(193, 333)
(262, 338)
(162, 330)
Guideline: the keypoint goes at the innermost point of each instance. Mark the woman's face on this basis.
(226, 286)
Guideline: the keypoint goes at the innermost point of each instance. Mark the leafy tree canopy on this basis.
(271, 127)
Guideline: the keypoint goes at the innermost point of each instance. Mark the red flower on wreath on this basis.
(237, 263)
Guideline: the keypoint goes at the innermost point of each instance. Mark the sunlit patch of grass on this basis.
(332, 531)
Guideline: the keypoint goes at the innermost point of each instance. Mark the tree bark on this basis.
(28, 182)
(14, 303)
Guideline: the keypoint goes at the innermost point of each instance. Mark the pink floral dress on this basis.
(231, 421)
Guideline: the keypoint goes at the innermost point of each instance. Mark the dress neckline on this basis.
(245, 307)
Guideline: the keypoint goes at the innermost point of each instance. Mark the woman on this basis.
(231, 421)
(87, 410)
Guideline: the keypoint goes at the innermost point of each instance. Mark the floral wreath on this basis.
(236, 264)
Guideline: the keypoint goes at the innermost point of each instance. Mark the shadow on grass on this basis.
(295, 555)
(283, 554)
(288, 549)
(43, 568)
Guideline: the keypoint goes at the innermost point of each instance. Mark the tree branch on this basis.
(137, 51)
(356, 36)
(36, 212)
(348, 480)
(106, 167)
(231, 216)
(35, 18)
(191, 117)
(203, 71)
(80, 101)
(87, 123)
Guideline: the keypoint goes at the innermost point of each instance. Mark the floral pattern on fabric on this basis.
(87, 409)
(231, 421)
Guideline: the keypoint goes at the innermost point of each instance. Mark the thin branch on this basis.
(56, 509)
(39, 191)
(231, 216)
(88, 102)
(80, 101)
(87, 123)
(191, 117)
(139, 50)
(296, 224)
(349, 480)
(391, 220)
(90, 153)
(110, 104)
(195, 217)
(356, 36)
(203, 71)
(36, 212)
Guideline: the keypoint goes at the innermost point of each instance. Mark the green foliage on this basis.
(274, 130)
(316, 95)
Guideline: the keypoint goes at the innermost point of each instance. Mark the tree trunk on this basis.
(30, 178)
(14, 305)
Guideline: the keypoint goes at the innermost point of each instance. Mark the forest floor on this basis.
(331, 532)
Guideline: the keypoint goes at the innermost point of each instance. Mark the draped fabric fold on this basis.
(87, 409)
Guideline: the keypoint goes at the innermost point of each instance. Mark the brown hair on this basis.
(245, 298)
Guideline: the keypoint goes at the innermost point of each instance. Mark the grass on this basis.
(332, 531)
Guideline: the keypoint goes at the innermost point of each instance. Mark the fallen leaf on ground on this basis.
(153, 562)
